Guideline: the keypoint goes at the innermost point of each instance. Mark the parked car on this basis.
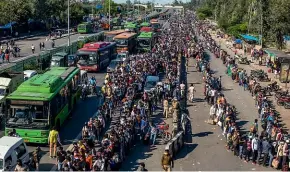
(112, 66)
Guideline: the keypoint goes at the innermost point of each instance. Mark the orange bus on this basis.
(111, 34)
(155, 25)
(126, 41)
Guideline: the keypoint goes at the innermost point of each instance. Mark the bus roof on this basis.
(96, 45)
(145, 24)
(115, 32)
(125, 35)
(145, 35)
(146, 29)
(43, 87)
(61, 54)
(85, 23)
(153, 21)
(131, 26)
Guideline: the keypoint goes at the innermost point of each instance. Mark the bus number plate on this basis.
(25, 140)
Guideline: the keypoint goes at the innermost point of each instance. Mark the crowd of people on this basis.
(129, 99)
(268, 147)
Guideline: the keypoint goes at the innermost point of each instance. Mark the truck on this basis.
(8, 83)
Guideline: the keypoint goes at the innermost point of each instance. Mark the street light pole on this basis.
(68, 23)
(109, 15)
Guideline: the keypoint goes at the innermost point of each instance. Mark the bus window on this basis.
(88, 58)
(122, 42)
(104, 55)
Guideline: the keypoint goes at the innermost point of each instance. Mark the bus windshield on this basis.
(109, 38)
(2, 92)
(28, 116)
(87, 58)
(55, 63)
(121, 42)
(82, 26)
(156, 25)
(144, 42)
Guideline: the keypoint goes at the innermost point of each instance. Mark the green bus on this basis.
(85, 28)
(145, 41)
(145, 24)
(116, 21)
(132, 28)
(43, 101)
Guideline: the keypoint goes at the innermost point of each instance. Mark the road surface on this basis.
(25, 45)
(205, 150)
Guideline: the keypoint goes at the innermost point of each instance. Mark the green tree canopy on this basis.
(268, 17)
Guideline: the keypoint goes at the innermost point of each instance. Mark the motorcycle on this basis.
(273, 87)
(263, 78)
(163, 132)
(243, 60)
(281, 94)
(287, 105)
(281, 101)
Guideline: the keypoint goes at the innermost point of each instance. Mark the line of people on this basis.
(269, 147)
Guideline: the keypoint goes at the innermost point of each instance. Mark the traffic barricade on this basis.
(175, 144)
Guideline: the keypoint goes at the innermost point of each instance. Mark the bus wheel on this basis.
(57, 125)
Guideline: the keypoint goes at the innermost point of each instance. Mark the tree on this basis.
(40, 10)
(113, 7)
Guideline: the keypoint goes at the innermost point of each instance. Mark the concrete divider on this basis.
(175, 144)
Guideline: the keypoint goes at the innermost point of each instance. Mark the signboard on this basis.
(99, 6)
(24, 102)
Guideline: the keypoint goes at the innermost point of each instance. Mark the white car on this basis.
(29, 74)
(81, 38)
(124, 56)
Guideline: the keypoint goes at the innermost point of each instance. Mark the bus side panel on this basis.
(62, 115)
(75, 98)
(31, 135)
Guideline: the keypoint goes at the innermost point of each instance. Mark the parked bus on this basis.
(41, 102)
(110, 35)
(145, 42)
(96, 56)
(85, 28)
(126, 42)
(116, 21)
(155, 25)
(145, 24)
(132, 28)
(146, 29)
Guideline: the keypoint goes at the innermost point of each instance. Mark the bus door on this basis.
(113, 52)
(103, 58)
(69, 97)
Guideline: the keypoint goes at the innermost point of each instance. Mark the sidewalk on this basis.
(253, 66)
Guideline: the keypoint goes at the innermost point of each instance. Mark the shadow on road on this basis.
(202, 134)
(186, 150)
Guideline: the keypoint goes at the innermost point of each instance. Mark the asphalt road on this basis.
(25, 45)
(205, 149)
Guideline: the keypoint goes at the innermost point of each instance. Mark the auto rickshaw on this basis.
(105, 26)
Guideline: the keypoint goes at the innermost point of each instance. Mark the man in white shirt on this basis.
(191, 91)
(212, 94)
(32, 48)
(255, 149)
